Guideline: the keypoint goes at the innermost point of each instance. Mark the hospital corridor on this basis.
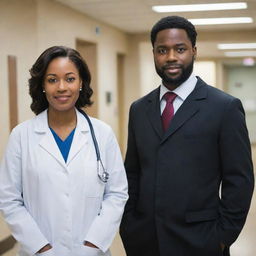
(113, 36)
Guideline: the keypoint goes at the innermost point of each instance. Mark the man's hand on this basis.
(86, 243)
(45, 248)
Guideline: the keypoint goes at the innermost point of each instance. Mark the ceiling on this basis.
(136, 16)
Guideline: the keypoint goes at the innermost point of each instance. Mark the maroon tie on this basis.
(168, 112)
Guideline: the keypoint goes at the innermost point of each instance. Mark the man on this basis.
(180, 152)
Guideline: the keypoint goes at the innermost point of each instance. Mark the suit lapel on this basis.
(153, 112)
(188, 109)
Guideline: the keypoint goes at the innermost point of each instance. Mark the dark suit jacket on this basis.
(175, 177)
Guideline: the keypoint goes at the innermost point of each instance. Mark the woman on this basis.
(55, 197)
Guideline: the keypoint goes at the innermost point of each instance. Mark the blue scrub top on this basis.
(65, 145)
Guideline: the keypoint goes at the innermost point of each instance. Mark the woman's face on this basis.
(62, 84)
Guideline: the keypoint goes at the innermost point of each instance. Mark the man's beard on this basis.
(175, 82)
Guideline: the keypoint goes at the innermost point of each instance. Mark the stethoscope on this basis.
(103, 175)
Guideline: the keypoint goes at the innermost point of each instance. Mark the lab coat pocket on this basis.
(46, 253)
(93, 207)
(90, 251)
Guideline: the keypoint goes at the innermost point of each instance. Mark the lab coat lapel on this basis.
(48, 142)
(81, 137)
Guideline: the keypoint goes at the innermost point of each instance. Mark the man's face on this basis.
(173, 56)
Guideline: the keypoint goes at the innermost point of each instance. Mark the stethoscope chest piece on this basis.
(104, 176)
(102, 173)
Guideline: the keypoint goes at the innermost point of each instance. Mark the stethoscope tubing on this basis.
(104, 176)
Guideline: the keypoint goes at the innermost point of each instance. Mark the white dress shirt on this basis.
(181, 91)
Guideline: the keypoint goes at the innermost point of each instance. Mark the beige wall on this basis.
(201, 69)
(132, 80)
(17, 37)
(254, 156)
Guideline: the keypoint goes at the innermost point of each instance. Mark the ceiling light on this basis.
(241, 54)
(217, 21)
(237, 46)
(199, 7)
(249, 61)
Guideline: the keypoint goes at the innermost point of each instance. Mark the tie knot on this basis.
(169, 96)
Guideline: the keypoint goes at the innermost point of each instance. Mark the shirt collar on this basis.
(183, 90)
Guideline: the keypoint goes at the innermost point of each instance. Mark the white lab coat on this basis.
(45, 200)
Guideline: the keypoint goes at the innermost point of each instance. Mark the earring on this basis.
(43, 91)
(80, 89)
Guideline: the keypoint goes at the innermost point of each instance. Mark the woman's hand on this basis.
(45, 248)
(86, 243)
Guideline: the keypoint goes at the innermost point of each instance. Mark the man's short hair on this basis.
(174, 22)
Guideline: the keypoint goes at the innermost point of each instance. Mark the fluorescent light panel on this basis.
(199, 7)
(248, 61)
(241, 54)
(218, 21)
(237, 46)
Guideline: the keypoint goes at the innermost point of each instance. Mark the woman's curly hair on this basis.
(38, 70)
